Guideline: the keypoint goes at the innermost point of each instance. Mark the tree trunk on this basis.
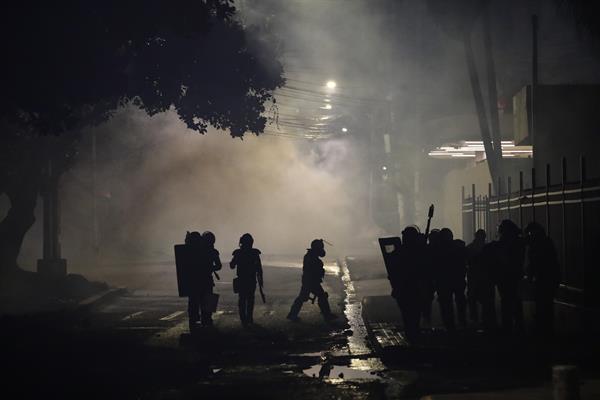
(20, 218)
(490, 154)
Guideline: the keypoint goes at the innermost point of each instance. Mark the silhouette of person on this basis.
(201, 281)
(431, 259)
(450, 279)
(544, 272)
(505, 256)
(406, 279)
(249, 270)
(312, 276)
(213, 254)
(480, 286)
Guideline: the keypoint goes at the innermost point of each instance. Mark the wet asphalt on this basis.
(139, 346)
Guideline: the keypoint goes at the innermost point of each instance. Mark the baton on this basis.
(429, 216)
(217, 275)
(262, 294)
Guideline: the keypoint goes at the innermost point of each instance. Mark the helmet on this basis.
(246, 240)
(480, 235)
(194, 238)
(410, 235)
(209, 237)
(507, 228)
(446, 235)
(318, 246)
(535, 230)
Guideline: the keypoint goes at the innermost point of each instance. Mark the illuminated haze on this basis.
(156, 179)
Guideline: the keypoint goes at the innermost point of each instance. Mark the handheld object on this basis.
(262, 294)
(429, 216)
(184, 265)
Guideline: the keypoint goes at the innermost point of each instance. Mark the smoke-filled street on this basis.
(302, 199)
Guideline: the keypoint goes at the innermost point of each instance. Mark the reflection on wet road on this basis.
(338, 352)
(356, 362)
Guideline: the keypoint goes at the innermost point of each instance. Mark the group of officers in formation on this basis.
(469, 276)
(246, 261)
(421, 267)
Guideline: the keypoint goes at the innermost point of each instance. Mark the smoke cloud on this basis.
(398, 72)
(155, 180)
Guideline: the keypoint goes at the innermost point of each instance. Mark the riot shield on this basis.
(183, 265)
(389, 247)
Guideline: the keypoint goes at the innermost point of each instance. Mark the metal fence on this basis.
(570, 213)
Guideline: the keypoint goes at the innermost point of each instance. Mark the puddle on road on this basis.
(338, 373)
(367, 364)
(361, 366)
(357, 343)
(331, 268)
(313, 354)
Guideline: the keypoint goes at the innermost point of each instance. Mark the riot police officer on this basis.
(406, 277)
(312, 276)
(544, 273)
(480, 285)
(450, 279)
(505, 256)
(213, 254)
(249, 270)
(201, 281)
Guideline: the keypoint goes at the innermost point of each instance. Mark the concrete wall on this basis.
(566, 120)
(450, 213)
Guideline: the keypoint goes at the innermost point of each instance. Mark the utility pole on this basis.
(94, 200)
(51, 264)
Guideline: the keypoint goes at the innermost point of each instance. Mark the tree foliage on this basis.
(70, 63)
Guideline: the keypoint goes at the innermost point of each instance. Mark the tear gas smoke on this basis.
(155, 180)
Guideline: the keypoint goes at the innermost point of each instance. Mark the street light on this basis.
(331, 84)
(345, 130)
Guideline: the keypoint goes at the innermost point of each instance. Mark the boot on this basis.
(295, 310)
(325, 309)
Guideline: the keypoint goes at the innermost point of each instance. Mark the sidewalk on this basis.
(25, 292)
(589, 389)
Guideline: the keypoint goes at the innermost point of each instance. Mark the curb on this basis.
(102, 297)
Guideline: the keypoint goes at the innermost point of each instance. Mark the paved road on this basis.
(138, 345)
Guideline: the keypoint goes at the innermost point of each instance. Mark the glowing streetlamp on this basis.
(331, 84)
(345, 130)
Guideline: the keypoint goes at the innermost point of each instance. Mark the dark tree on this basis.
(70, 64)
